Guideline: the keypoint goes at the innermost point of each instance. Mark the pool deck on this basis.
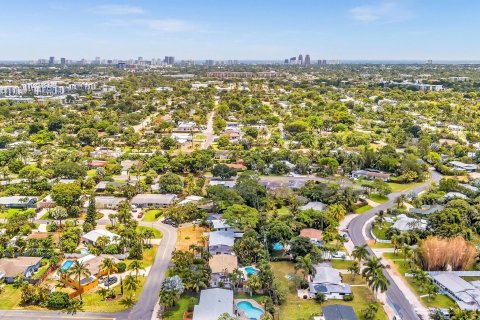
(240, 313)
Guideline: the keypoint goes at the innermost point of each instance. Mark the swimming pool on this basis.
(277, 246)
(251, 270)
(252, 313)
(66, 265)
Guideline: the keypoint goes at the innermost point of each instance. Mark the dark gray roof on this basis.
(338, 312)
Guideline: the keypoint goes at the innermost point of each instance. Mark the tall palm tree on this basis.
(79, 269)
(136, 266)
(360, 253)
(354, 269)
(372, 266)
(405, 250)
(131, 284)
(378, 281)
(306, 265)
(108, 266)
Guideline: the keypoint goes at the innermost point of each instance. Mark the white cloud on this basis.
(384, 12)
(114, 9)
(166, 25)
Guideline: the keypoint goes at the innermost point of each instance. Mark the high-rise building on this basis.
(307, 59)
(300, 59)
(293, 60)
(286, 61)
(169, 60)
(63, 61)
(51, 60)
(97, 60)
(209, 62)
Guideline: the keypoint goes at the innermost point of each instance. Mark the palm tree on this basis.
(394, 240)
(108, 266)
(306, 265)
(354, 269)
(79, 269)
(371, 268)
(360, 253)
(378, 282)
(235, 277)
(167, 298)
(103, 293)
(131, 284)
(432, 291)
(198, 281)
(136, 266)
(405, 250)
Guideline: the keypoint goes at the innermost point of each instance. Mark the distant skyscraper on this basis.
(209, 62)
(300, 59)
(307, 59)
(286, 61)
(429, 62)
(63, 61)
(97, 60)
(169, 60)
(293, 60)
(51, 60)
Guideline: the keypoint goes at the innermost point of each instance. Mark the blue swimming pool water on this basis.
(251, 270)
(66, 265)
(277, 246)
(251, 312)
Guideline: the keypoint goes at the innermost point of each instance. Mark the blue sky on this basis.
(240, 29)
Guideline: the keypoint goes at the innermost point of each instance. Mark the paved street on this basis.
(355, 229)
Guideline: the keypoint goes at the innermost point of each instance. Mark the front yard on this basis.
(152, 215)
(188, 236)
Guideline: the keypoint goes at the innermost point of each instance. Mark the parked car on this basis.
(111, 281)
(170, 222)
(102, 279)
(140, 215)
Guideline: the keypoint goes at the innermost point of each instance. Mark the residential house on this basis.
(147, 200)
(221, 242)
(10, 268)
(453, 195)
(427, 209)
(226, 184)
(314, 235)
(464, 293)
(213, 303)
(102, 152)
(107, 202)
(338, 312)
(92, 236)
(370, 175)
(220, 225)
(103, 185)
(461, 166)
(222, 265)
(327, 280)
(97, 164)
(18, 202)
(186, 126)
(314, 205)
(46, 203)
(405, 223)
(190, 199)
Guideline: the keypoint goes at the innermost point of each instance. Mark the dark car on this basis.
(110, 281)
(171, 222)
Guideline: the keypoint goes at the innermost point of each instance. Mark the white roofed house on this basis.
(92, 236)
(147, 200)
(221, 225)
(107, 202)
(464, 293)
(20, 202)
(314, 205)
(327, 280)
(404, 223)
(461, 166)
(221, 242)
(213, 303)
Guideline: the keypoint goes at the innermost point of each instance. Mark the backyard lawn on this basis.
(379, 232)
(402, 187)
(298, 309)
(188, 236)
(378, 198)
(186, 302)
(148, 256)
(341, 264)
(363, 209)
(149, 215)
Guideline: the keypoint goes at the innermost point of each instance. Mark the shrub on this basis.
(319, 297)
(348, 297)
(121, 267)
(57, 300)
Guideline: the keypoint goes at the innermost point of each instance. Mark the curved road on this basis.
(146, 303)
(355, 230)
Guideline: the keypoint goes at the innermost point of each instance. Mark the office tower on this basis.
(307, 59)
(63, 61)
(169, 60)
(209, 62)
(97, 60)
(293, 60)
(51, 60)
(300, 59)
(429, 62)
(286, 61)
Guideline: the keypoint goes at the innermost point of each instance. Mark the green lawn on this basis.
(11, 212)
(148, 256)
(10, 298)
(378, 198)
(377, 245)
(298, 309)
(186, 302)
(157, 233)
(363, 209)
(402, 187)
(92, 301)
(380, 232)
(91, 172)
(149, 215)
(341, 264)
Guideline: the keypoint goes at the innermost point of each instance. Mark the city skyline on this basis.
(267, 30)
